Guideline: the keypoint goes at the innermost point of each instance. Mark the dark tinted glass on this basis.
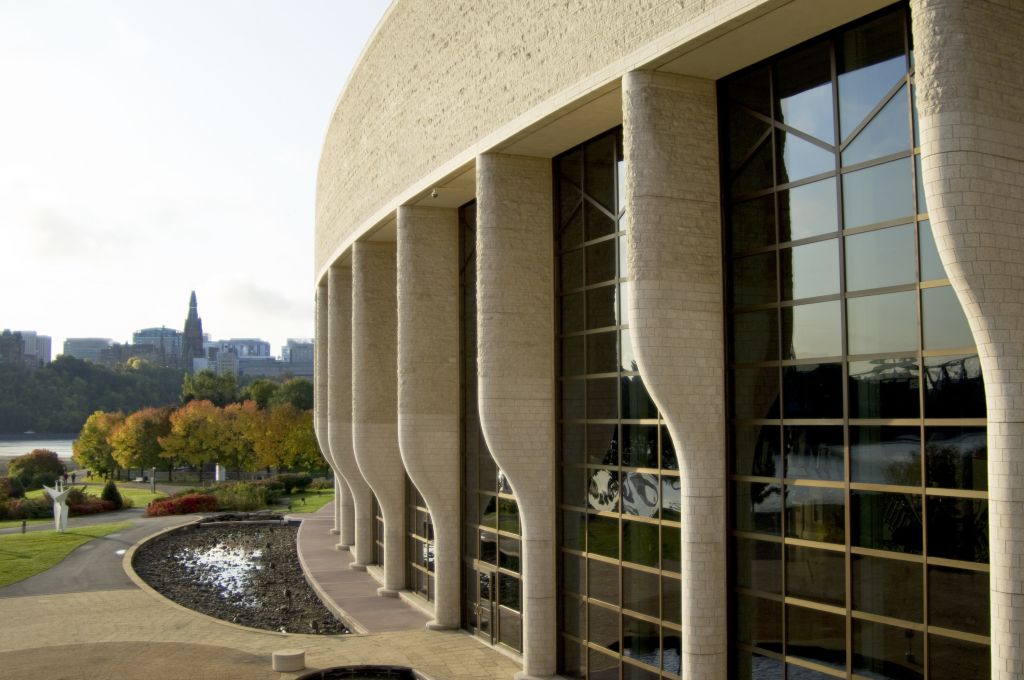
(751, 666)
(870, 60)
(815, 514)
(756, 336)
(670, 551)
(671, 599)
(640, 592)
(572, 312)
(885, 455)
(572, 356)
(602, 352)
(758, 565)
(814, 452)
(816, 636)
(754, 279)
(603, 444)
(603, 627)
(636, 402)
(950, 659)
(887, 652)
(757, 451)
(603, 536)
(818, 575)
(886, 521)
(931, 265)
(640, 543)
(668, 451)
(958, 599)
(958, 528)
(571, 270)
(813, 391)
(888, 587)
(954, 387)
(759, 622)
(884, 388)
(641, 640)
(799, 159)
(600, 308)
(956, 457)
(755, 174)
(756, 392)
(603, 581)
(601, 398)
(803, 91)
(757, 507)
(640, 446)
(752, 224)
(601, 262)
(600, 158)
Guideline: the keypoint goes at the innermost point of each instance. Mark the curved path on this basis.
(80, 619)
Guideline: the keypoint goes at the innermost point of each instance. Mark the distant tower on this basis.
(192, 343)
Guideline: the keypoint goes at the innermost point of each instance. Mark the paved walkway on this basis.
(351, 594)
(93, 630)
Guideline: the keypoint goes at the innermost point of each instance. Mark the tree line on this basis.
(265, 425)
(58, 397)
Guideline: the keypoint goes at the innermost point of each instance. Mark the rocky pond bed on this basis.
(243, 571)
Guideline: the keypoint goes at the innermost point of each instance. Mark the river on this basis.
(12, 446)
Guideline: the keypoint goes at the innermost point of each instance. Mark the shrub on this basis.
(321, 483)
(15, 489)
(91, 506)
(38, 462)
(242, 497)
(112, 495)
(182, 505)
(272, 485)
(26, 508)
(294, 482)
(40, 479)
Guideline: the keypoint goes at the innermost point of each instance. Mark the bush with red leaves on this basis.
(182, 505)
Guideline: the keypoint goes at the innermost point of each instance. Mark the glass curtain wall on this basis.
(619, 499)
(378, 533)
(857, 433)
(491, 548)
(419, 544)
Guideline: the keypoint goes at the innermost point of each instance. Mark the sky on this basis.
(149, 148)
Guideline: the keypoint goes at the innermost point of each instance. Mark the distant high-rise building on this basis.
(192, 341)
(88, 349)
(247, 347)
(297, 351)
(167, 343)
(35, 348)
(11, 347)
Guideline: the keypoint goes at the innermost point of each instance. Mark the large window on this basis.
(857, 448)
(619, 499)
(419, 543)
(491, 548)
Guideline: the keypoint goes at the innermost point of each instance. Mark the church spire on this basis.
(192, 343)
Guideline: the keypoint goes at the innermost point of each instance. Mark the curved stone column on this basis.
(673, 235)
(320, 394)
(516, 335)
(970, 103)
(375, 396)
(339, 411)
(428, 384)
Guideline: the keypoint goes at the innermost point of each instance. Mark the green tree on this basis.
(301, 447)
(136, 441)
(220, 390)
(197, 434)
(298, 392)
(239, 451)
(261, 391)
(93, 449)
(39, 464)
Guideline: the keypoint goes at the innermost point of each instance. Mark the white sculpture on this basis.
(60, 506)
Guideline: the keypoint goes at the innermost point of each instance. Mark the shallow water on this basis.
(228, 568)
(11, 447)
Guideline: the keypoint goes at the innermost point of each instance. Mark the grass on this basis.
(309, 501)
(9, 523)
(25, 555)
(139, 497)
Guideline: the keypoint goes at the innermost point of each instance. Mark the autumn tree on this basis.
(197, 434)
(261, 391)
(239, 422)
(93, 449)
(301, 447)
(136, 441)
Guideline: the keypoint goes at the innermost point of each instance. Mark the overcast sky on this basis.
(153, 147)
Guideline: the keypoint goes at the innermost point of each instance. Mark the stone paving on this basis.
(131, 633)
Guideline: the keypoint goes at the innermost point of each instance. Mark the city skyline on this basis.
(153, 149)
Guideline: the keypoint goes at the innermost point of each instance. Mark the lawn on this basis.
(25, 555)
(9, 523)
(309, 501)
(139, 497)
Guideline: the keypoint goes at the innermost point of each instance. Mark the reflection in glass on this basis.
(668, 451)
(814, 452)
(636, 402)
(572, 355)
(887, 587)
(815, 513)
(640, 543)
(957, 457)
(601, 398)
(603, 444)
(603, 490)
(803, 92)
(808, 210)
(600, 308)
(878, 194)
(602, 352)
(758, 565)
(640, 446)
(603, 627)
(810, 270)
(641, 640)
(884, 388)
(887, 652)
(958, 599)
(671, 505)
(603, 536)
(811, 331)
(877, 259)
(870, 60)
(756, 173)
(601, 262)
(670, 539)
(603, 581)
(954, 387)
(813, 391)
(945, 324)
(886, 521)
(671, 599)
(816, 636)
(799, 159)
(640, 592)
(757, 507)
(571, 270)
(598, 224)
(759, 622)
(599, 170)
(572, 312)
(958, 528)
(882, 323)
(950, 659)
(627, 360)
(640, 494)
(931, 264)
(885, 455)
(887, 133)
(818, 575)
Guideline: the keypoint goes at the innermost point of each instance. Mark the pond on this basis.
(243, 572)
